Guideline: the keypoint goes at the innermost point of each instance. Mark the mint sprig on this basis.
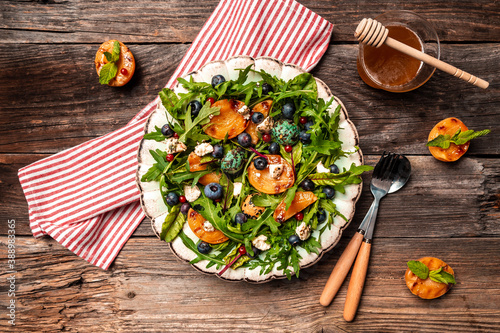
(459, 138)
(109, 70)
(422, 271)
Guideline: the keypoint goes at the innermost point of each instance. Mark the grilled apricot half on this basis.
(125, 64)
(229, 121)
(195, 221)
(195, 165)
(448, 126)
(262, 107)
(265, 183)
(299, 203)
(427, 288)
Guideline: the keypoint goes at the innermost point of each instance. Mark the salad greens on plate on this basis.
(251, 168)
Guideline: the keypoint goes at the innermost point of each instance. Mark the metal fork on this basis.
(382, 177)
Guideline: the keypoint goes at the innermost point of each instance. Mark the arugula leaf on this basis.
(304, 82)
(459, 138)
(441, 276)
(192, 246)
(418, 268)
(108, 72)
(311, 218)
(170, 101)
(156, 135)
(153, 173)
(266, 200)
(311, 245)
(290, 195)
(202, 118)
(351, 176)
(265, 219)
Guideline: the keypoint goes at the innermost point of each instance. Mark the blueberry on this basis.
(245, 140)
(256, 252)
(185, 208)
(308, 125)
(305, 137)
(218, 151)
(288, 110)
(195, 108)
(218, 79)
(266, 88)
(274, 148)
(204, 247)
(213, 191)
(334, 169)
(321, 216)
(307, 185)
(260, 163)
(330, 192)
(240, 218)
(294, 240)
(257, 117)
(172, 199)
(167, 131)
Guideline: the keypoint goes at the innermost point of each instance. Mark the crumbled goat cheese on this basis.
(208, 227)
(260, 243)
(191, 193)
(237, 189)
(276, 170)
(244, 110)
(266, 125)
(257, 174)
(203, 148)
(320, 168)
(174, 146)
(303, 231)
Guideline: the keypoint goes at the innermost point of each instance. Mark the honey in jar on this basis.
(387, 68)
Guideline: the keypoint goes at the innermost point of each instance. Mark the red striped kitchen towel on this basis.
(86, 197)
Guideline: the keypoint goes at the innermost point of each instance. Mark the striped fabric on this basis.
(86, 197)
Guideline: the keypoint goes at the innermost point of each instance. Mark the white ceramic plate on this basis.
(156, 210)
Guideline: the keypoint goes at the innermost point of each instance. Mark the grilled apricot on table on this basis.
(299, 203)
(195, 221)
(125, 64)
(448, 126)
(265, 183)
(229, 121)
(194, 165)
(427, 288)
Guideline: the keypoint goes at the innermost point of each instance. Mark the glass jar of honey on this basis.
(388, 69)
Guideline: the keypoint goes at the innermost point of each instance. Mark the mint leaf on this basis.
(459, 138)
(441, 276)
(109, 56)
(116, 51)
(108, 72)
(418, 268)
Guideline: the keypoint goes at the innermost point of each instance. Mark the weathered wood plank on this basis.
(148, 290)
(180, 21)
(461, 199)
(62, 103)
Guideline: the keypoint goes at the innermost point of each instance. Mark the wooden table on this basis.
(51, 100)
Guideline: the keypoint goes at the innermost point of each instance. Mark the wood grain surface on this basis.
(50, 100)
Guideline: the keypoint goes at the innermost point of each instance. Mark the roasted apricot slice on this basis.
(125, 64)
(262, 107)
(427, 288)
(229, 121)
(299, 203)
(195, 221)
(265, 183)
(194, 165)
(249, 208)
(448, 126)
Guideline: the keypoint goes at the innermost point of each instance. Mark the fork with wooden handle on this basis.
(372, 32)
(346, 260)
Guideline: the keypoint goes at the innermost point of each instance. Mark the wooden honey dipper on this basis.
(373, 33)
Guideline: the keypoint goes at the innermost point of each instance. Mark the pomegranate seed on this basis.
(303, 120)
(170, 157)
(211, 100)
(218, 200)
(182, 199)
(124, 71)
(176, 135)
(266, 137)
(288, 148)
(242, 250)
(299, 216)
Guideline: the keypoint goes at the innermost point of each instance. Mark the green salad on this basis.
(251, 168)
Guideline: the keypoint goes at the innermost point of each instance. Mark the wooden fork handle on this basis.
(357, 282)
(340, 270)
